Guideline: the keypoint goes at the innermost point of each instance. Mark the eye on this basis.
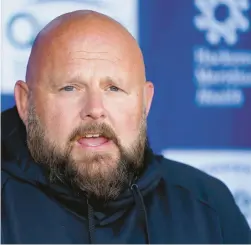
(68, 88)
(114, 89)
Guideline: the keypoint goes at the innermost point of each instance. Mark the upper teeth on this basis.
(91, 135)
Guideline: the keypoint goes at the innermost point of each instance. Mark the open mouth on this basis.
(92, 140)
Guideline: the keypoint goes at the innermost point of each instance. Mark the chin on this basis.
(99, 159)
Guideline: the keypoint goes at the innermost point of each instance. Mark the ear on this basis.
(21, 93)
(149, 92)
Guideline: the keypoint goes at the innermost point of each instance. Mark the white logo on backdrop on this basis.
(226, 29)
(222, 74)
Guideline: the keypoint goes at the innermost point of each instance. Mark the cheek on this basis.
(58, 121)
(129, 129)
(126, 118)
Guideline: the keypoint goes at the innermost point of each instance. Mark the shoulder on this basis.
(192, 179)
(13, 135)
(9, 121)
(210, 190)
(199, 184)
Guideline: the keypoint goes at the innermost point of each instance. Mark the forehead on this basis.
(77, 51)
(88, 63)
(75, 57)
(95, 40)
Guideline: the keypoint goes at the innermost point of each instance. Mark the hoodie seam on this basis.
(205, 203)
(197, 198)
(6, 180)
(2, 226)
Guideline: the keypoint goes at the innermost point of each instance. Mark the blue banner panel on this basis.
(198, 55)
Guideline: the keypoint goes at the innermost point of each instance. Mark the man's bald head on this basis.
(82, 26)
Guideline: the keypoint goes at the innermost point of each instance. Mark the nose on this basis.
(93, 106)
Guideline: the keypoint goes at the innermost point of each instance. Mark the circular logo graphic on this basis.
(22, 29)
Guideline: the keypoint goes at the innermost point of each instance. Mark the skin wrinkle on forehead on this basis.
(96, 57)
(93, 55)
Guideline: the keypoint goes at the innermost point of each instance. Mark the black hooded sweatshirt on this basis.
(169, 203)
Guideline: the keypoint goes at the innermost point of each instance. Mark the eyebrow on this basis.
(75, 79)
(110, 80)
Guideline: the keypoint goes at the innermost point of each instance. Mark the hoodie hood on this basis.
(18, 164)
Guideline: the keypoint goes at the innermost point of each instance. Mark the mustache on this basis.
(102, 129)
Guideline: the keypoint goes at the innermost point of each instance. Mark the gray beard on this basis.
(105, 185)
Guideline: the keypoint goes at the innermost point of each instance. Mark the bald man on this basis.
(76, 163)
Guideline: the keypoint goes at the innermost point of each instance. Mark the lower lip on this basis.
(95, 147)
